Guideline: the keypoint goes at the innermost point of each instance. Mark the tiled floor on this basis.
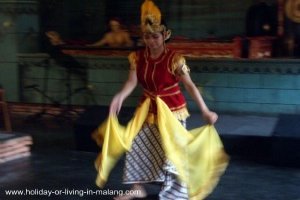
(56, 165)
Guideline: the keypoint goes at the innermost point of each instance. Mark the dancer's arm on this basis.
(128, 87)
(209, 116)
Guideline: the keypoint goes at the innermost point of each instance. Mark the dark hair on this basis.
(163, 22)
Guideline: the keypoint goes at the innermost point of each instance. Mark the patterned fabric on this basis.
(173, 189)
(146, 162)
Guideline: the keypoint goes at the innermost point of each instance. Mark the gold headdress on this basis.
(151, 19)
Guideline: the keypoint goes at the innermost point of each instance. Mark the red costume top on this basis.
(159, 77)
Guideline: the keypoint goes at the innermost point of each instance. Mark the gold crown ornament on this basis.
(151, 19)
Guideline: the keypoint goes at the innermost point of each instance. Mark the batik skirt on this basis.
(146, 163)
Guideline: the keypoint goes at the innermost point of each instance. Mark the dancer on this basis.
(159, 148)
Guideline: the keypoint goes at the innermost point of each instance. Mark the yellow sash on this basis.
(198, 154)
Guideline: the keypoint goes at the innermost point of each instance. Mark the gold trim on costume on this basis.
(170, 87)
(183, 70)
(152, 76)
(179, 66)
(181, 114)
(146, 71)
(153, 96)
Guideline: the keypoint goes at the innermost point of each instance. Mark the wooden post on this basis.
(5, 112)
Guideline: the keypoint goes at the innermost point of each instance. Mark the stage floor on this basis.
(56, 165)
(63, 170)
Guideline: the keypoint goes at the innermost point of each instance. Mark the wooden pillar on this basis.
(5, 112)
(280, 15)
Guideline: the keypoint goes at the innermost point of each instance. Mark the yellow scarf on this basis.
(198, 154)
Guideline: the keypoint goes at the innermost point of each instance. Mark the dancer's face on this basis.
(154, 40)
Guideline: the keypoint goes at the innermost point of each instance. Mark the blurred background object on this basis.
(117, 36)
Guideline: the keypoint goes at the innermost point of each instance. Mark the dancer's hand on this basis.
(115, 105)
(210, 117)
